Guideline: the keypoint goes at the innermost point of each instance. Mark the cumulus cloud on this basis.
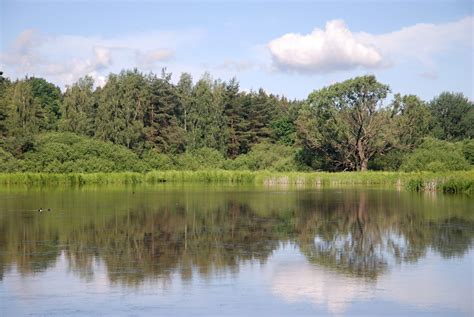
(65, 58)
(334, 48)
(337, 48)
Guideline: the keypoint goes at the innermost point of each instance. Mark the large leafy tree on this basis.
(345, 123)
(452, 117)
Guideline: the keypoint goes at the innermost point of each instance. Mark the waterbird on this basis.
(49, 209)
(40, 210)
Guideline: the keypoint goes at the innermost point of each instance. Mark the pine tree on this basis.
(162, 123)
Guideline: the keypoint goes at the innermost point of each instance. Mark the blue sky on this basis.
(289, 48)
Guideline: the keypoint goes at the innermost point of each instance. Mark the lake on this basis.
(221, 250)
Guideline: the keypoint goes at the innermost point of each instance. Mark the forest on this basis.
(142, 122)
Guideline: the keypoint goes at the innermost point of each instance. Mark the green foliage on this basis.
(214, 125)
(468, 150)
(284, 131)
(121, 110)
(203, 158)
(266, 156)
(78, 107)
(344, 125)
(68, 152)
(158, 161)
(8, 163)
(162, 120)
(452, 117)
(412, 120)
(436, 155)
(49, 97)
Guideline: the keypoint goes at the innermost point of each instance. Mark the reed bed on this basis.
(447, 182)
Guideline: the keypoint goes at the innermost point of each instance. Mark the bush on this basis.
(69, 152)
(158, 161)
(266, 156)
(468, 150)
(436, 155)
(8, 163)
(204, 158)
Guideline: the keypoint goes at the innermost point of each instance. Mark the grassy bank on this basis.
(449, 182)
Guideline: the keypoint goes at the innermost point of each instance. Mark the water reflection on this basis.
(351, 239)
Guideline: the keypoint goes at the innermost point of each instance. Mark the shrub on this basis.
(8, 163)
(204, 158)
(69, 152)
(265, 156)
(468, 150)
(436, 155)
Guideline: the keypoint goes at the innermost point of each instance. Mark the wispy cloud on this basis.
(236, 65)
(63, 59)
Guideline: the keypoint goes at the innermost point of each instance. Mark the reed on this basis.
(452, 182)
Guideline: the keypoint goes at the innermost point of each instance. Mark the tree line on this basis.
(346, 126)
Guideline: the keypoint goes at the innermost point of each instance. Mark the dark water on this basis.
(241, 251)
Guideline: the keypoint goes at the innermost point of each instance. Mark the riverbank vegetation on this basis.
(448, 182)
(143, 122)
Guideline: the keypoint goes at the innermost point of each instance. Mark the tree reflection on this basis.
(146, 237)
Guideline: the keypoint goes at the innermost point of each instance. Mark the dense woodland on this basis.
(141, 122)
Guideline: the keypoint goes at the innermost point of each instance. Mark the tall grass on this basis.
(448, 182)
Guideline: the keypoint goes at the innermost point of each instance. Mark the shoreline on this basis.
(446, 182)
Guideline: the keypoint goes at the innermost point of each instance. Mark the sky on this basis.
(288, 48)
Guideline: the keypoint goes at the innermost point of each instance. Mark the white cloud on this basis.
(337, 48)
(65, 58)
(334, 48)
(423, 40)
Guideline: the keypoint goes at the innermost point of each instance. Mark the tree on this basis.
(25, 114)
(206, 120)
(49, 97)
(345, 124)
(412, 120)
(78, 107)
(261, 114)
(452, 117)
(122, 105)
(185, 92)
(162, 122)
(5, 94)
(234, 117)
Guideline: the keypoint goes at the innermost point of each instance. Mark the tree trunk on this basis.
(363, 165)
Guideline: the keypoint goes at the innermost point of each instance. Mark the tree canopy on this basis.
(346, 126)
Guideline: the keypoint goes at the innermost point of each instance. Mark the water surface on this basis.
(243, 251)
